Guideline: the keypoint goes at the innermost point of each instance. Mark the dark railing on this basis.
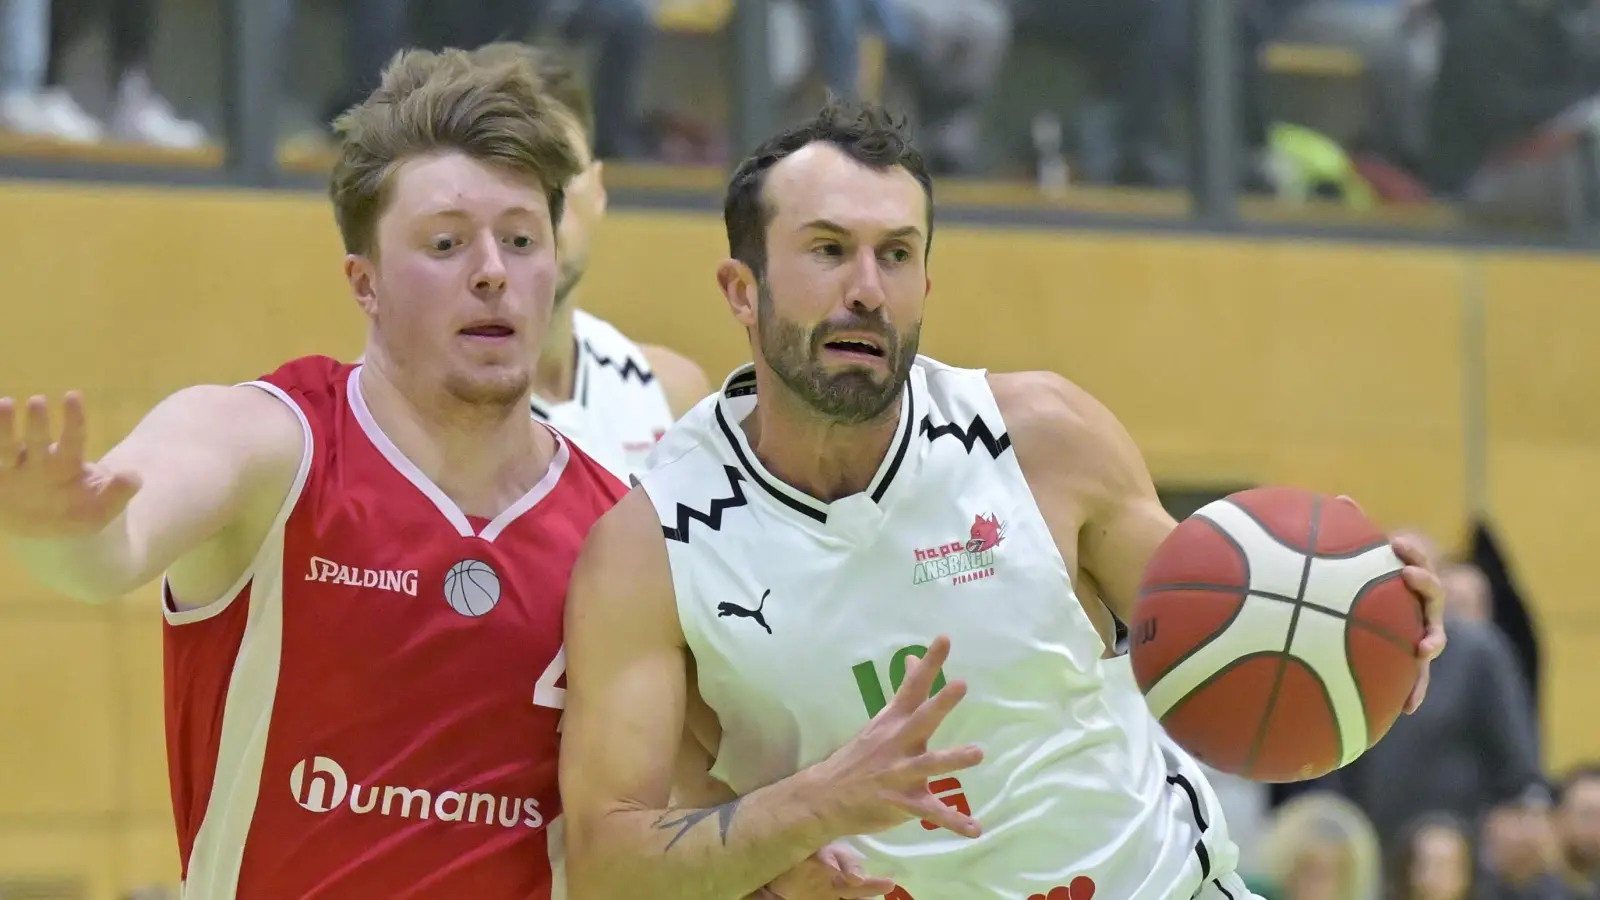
(255, 36)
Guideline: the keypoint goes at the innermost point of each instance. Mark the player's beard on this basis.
(850, 397)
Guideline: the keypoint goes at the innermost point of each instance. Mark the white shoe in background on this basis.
(142, 116)
(51, 113)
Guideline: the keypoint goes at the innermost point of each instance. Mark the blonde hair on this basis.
(492, 107)
(1324, 815)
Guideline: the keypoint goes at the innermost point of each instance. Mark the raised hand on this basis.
(47, 488)
(880, 778)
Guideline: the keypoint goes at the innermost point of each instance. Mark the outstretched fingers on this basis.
(36, 429)
(67, 451)
(920, 676)
(10, 445)
(929, 808)
(926, 718)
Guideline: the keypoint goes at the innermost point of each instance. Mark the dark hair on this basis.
(869, 133)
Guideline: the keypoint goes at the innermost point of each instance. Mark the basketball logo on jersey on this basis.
(471, 588)
(963, 560)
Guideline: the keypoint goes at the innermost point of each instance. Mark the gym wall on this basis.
(1393, 375)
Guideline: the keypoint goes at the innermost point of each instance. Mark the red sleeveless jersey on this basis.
(374, 711)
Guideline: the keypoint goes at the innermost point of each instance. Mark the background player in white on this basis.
(611, 396)
(775, 543)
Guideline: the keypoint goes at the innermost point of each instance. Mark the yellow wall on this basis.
(1332, 366)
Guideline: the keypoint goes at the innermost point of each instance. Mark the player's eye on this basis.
(897, 255)
(830, 248)
(521, 242)
(443, 244)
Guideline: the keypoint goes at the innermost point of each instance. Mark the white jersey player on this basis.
(617, 406)
(614, 398)
(875, 588)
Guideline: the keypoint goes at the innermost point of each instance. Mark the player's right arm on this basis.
(626, 693)
(191, 491)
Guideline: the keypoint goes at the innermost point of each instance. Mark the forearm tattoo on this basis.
(684, 821)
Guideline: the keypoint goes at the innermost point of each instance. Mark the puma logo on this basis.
(725, 609)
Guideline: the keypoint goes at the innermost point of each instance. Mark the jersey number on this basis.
(876, 698)
(550, 691)
(871, 684)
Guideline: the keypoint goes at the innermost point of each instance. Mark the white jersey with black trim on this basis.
(802, 617)
(618, 408)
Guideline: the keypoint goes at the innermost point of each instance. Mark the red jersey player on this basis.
(365, 565)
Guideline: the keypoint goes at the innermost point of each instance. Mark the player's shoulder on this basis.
(693, 434)
(1045, 403)
(622, 584)
(626, 536)
(311, 375)
(1057, 425)
(317, 387)
(683, 380)
(591, 480)
(586, 326)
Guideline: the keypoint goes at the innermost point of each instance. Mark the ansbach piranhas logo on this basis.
(965, 560)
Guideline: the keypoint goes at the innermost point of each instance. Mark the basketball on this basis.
(1274, 637)
(471, 587)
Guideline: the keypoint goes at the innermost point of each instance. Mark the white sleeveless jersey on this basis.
(802, 615)
(618, 408)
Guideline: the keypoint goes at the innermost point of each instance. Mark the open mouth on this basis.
(489, 330)
(855, 347)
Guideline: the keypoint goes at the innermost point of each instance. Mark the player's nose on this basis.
(865, 288)
(490, 274)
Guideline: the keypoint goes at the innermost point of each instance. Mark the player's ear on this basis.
(739, 287)
(359, 272)
(600, 198)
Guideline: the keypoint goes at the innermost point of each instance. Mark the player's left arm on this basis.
(1089, 479)
(1096, 493)
(682, 379)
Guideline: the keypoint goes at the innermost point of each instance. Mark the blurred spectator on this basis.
(1142, 58)
(622, 29)
(1507, 68)
(955, 53)
(138, 114)
(1466, 593)
(824, 37)
(1521, 854)
(25, 106)
(1433, 860)
(1578, 826)
(1320, 847)
(1509, 610)
(1399, 52)
(1135, 54)
(374, 31)
(836, 29)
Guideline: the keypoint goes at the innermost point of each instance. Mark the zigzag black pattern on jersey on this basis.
(977, 432)
(628, 368)
(712, 519)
